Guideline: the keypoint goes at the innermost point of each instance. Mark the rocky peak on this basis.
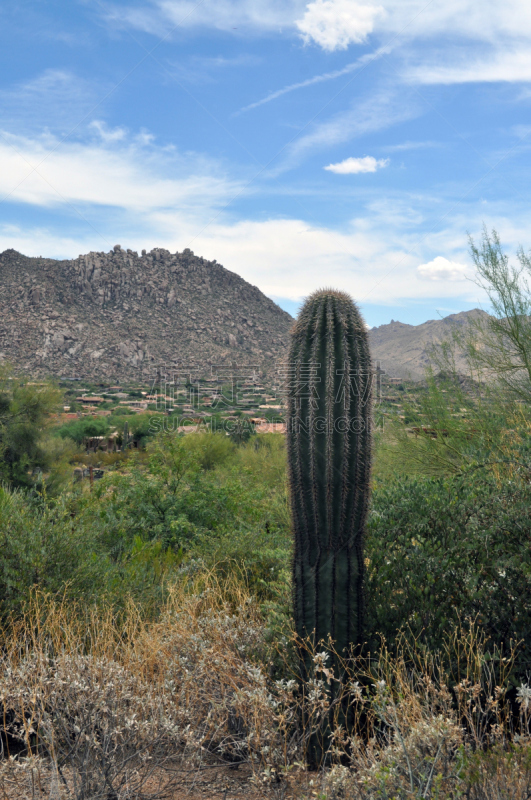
(120, 313)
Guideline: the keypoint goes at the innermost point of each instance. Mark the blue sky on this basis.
(299, 144)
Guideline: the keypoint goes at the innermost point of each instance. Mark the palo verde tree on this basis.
(499, 344)
(329, 459)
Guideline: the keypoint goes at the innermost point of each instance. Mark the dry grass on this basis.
(111, 705)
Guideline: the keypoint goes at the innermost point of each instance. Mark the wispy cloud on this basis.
(207, 70)
(374, 256)
(353, 166)
(486, 21)
(512, 66)
(108, 134)
(160, 16)
(127, 172)
(397, 148)
(326, 76)
(366, 116)
(55, 99)
(490, 40)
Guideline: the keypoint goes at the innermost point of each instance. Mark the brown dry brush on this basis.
(434, 726)
(110, 705)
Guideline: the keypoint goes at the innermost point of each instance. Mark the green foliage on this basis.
(442, 550)
(450, 426)
(84, 428)
(143, 427)
(500, 344)
(40, 546)
(241, 430)
(211, 450)
(123, 411)
(24, 416)
(182, 498)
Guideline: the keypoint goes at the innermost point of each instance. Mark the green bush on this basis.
(212, 449)
(444, 549)
(84, 428)
(41, 546)
(25, 410)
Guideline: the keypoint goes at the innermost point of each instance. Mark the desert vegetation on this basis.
(156, 638)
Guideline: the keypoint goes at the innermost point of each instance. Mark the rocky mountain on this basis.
(118, 315)
(403, 350)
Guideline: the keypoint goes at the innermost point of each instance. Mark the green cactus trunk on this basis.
(329, 459)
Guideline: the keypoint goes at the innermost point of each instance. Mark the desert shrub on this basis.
(211, 449)
(67, 547)
(174, 499)
(112, 704)
(25, 411)
(105, 732)
(129, 533)
(142, 427)
(417, 733)
(443, 549)
(122, 411)
(260, 554)
(83, 428)
(185, 691)
(40, 546)
(264, 457)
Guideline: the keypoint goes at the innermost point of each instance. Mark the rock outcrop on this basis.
(119, 315)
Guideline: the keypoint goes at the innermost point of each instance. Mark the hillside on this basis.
(402, 350)
(117, 315)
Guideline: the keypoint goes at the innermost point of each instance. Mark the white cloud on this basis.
(353, 166)
(108, 134)
(206, 69)
(485, 40)
(142, 195)
(396, 148)
(480, 20)
(335, 24)
(336, 20)
(283, 257)
(160, 17)
(130, 174)
(513, 66)
(441, 269)
(288, 258)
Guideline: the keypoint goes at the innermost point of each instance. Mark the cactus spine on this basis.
(329, 457)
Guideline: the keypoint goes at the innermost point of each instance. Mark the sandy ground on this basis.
(208, 781)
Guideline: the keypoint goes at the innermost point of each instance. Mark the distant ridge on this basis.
(117, 315)
(402, 349)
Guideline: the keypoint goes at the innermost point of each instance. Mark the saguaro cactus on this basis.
(329, 458)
